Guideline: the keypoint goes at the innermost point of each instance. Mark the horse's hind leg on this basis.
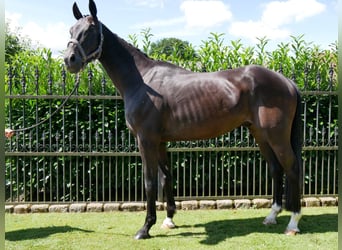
(281, 158)
(166, 181)
(289, 162)
(277, 175)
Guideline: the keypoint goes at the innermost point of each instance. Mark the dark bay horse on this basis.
(164, 102)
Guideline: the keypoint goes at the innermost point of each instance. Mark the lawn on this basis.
(200, 229)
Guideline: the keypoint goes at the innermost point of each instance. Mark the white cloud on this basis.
(278, 13)
(275, 16)
(13, 19)
(159, 23)
(148, 3)
(196, 14)
(253, 30)
(48, 35)
(205, 14)
(196, 17)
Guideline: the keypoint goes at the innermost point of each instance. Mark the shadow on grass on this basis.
(218, 231)
(38, 233)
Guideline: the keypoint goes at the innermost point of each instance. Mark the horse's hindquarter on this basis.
(274, 99)
(200, 106)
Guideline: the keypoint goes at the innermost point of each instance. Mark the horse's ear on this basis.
(93, 10)
(76, 11)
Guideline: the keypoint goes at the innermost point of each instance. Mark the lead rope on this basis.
(93, 56)
(53, 113)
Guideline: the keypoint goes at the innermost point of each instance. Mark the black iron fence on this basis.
(85, 152)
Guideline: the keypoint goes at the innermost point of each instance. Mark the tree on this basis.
(14, 43)
(173, 47)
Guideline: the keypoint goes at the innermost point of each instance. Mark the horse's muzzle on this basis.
(73, 61)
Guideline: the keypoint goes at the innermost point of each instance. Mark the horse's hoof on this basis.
(168, 224)
(269, 222)
(291, 232)
(142, 236)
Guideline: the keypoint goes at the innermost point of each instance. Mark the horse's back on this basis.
(261, 79)
(205, 105)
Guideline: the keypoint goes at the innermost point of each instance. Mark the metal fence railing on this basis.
(85, 153)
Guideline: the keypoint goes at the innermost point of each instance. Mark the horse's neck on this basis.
(124, 64)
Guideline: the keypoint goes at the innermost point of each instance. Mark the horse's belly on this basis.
(200, 130)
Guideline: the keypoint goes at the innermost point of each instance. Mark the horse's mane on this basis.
(134, 50)
(131, 47)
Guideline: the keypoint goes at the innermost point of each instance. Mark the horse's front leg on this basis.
(165, 175)
(149, 156)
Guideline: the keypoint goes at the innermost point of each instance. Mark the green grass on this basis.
(201, 229)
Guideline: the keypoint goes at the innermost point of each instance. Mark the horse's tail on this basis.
(293, 203)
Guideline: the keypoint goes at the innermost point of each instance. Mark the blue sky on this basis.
(48, 22)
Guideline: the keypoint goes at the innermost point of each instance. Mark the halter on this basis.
(95, 54)
(85, 59)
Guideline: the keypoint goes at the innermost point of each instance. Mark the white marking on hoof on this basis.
(168, 224)
(292, 227)
(291, 232)
(271, 218)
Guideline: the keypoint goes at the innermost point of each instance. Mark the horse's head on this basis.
(86, 40)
